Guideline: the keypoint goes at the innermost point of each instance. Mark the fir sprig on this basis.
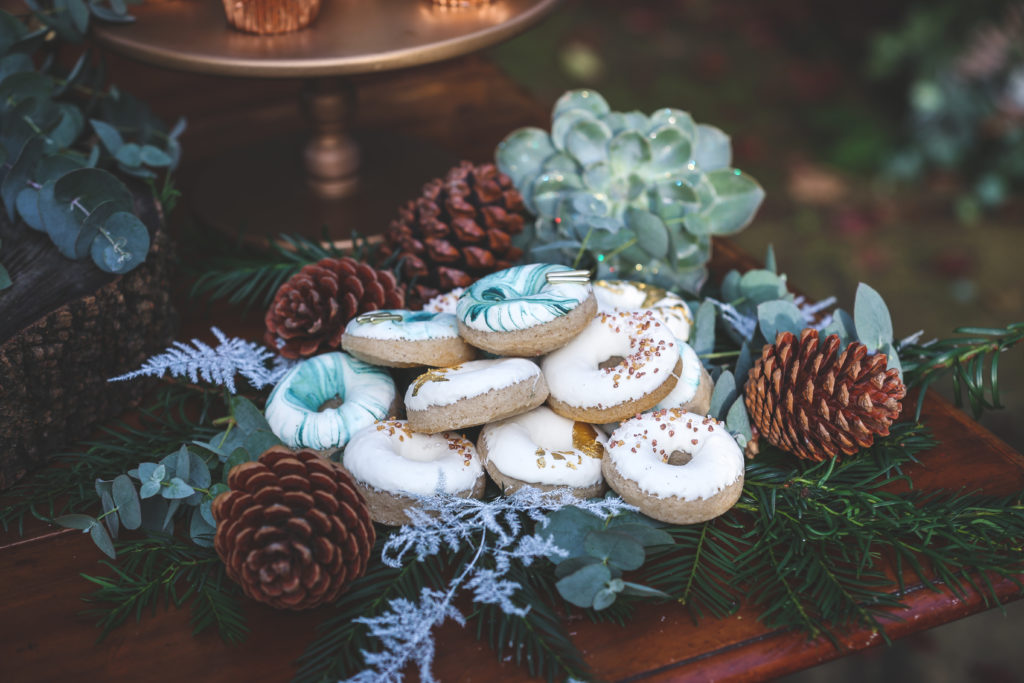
(971, 359)
(163, 569)
(251, 277)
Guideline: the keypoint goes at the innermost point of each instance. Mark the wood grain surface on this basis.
(43, 636)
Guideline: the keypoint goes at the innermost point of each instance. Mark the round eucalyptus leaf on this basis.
(22, 86)
(587, 141)
(725, 392)
(91, 227)
(206, 510)
(566, 528)
(11, 31)
(20, 173)
(671, 150)
(603, 599)
(69, 127)
(199, 472)
(201, 531)
(62, 222)
(871, 318)
(616, 548)
(674, 118)
(581, 586)
(16, 62)
(629, 150)
(90, 187)
(522, 153)
(122, 244)
(779, 316)
(102, 540)
(176, 489)
(587, 100)
(127, 499)
(651, 234)
(762, 285)
(712, 149)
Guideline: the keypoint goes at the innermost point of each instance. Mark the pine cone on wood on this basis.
(293, 530)
(457, 231)
(311, 309)
(815, 402)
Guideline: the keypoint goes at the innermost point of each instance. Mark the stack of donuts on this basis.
(560, 382)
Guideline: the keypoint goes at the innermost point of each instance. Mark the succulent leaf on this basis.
(639, 194)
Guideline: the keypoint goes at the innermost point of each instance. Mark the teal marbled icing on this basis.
(292, 411)
(519, 298)
(414, 326)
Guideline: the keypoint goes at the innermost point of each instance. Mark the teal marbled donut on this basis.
(293, 411)
(519, 298)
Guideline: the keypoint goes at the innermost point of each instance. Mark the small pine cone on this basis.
(804, 399)
(457, 231)
(293, 531)
(311, 309)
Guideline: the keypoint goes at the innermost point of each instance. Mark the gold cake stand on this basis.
(279, 186)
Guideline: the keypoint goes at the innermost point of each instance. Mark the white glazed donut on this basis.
(582, 390)
(518, 312)
(692, 392)
(641, 466)
(392, 465)
(444, 303)
(294, 407)
(399, 338)
(474, 393)
(544, 450)
(623, 295)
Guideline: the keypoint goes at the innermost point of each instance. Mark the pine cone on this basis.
(311, 309)
(459, 230)
(805, 400)
(293, 530)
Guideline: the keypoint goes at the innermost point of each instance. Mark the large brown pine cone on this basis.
(293, 530)
(806, 399)
(457, 231)
(311, 309)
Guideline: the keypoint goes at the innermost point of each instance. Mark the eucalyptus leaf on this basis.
(573, 564)
(743, 364)
(587, 141)
(91, 227)
(778, 316)
(641, 591)
(871, 318)
(604, 599)
(199, 472)
(723, 395)
(206, 510)
(149, 489)
(248, 417)
(737, 420)
(13, 63)
(172, 509)
(20, 173)
(177, 488)
(5, 278)
(200, 531)
(102, 540)
(892, 358)
(671, 149)
(109, 513)
(842, 326)
(567, 528)
(644, 534)
(762, 285)
(76, 521)
(704, 329)
(108, 135)
(580, 587)
(154, 156)
(521, 155)
(122, 243)
(127, 500)
(616, 548)
(129, 154)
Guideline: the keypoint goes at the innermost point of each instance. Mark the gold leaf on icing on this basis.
(584, 439)
(435, 375)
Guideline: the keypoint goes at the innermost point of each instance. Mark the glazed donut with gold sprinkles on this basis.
(675, 466)
(621, 364)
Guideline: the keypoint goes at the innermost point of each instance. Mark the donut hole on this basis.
(330, 404)
(611, 362)
(679, 458)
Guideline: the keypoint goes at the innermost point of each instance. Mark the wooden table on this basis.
(42, 637)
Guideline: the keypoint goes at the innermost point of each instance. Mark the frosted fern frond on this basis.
(217, 365)
(495, 529)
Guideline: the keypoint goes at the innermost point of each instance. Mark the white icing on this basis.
(519, 298)
(414, 326)
(389, 456)
(641, 446)
(622, 295)
(689, 379)
(293, 411)
(444, 386)
(648, 349)
(537, 447)
(445, 303)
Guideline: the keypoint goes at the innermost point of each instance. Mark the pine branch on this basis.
(252, 277)
(971, 360)
(165, 569)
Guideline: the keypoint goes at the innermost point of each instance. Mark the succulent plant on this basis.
(626, 192)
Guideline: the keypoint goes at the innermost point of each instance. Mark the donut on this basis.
(694, 385)
(544, 450)
(677, 467)
(619, 365)
(295, 409)
(391, 465)
(405, 339)
(473, 393)
(518, 312)
(668, 307)
(444, 303)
